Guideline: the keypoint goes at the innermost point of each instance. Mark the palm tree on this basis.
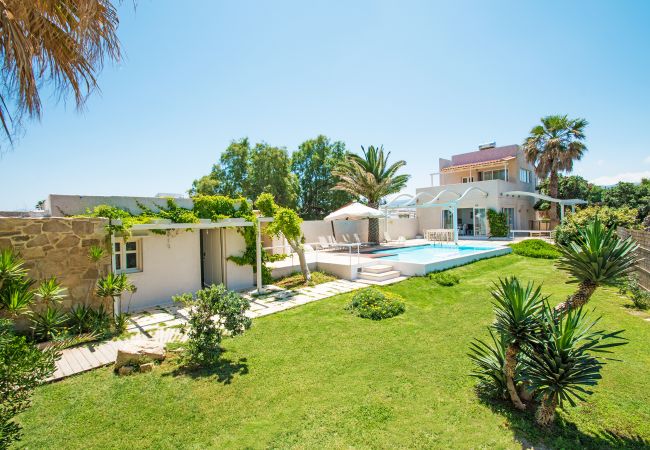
(560, 365)
(372, 178)
(552, 147)
(517, 309)
(64, 42)
(597, 257)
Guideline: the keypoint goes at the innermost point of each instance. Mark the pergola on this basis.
(412, 202)
(572, 202)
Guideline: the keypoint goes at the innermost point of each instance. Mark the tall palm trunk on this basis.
(545, 414)
(553, 184)
(585, 290)
(373, 225)
(509, 368)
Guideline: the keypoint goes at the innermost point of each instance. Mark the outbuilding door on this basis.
(212, 256)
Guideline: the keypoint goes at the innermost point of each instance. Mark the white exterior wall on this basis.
(67, 205)
(170, 266)
(237, 277)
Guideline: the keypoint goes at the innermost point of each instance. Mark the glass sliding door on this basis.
(447, 219)
(480, 222)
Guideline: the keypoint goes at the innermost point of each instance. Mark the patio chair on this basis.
(345, 238)
(358, 240)
(401, 240)
(333, 243)
(324, 245)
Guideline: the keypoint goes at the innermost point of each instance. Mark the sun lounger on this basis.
(401, 240)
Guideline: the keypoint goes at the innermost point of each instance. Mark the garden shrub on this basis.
(204, 333)
(22, 368)
(610, 217)
(445, 278)
(373, 304)
(639, 296)
(498, 223)
(535, 248)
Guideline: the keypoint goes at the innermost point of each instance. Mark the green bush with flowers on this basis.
(373, 304)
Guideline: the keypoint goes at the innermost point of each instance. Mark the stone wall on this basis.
(60, 247)
(643, 267)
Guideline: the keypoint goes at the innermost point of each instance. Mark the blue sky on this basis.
(425, 79)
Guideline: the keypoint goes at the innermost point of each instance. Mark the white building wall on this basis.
(170, 266)
(237, 277)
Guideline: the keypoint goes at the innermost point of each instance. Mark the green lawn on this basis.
(318, 377)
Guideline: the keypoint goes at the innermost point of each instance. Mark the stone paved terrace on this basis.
(163, 324)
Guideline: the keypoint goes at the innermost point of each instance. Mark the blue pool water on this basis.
(425, 254)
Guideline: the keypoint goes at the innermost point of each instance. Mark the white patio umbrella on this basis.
(354, 211)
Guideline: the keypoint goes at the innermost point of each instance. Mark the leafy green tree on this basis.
(229, 177)
(371, 178)
(552, 147)
(57, 45)
(630, 195)
(575, 186)
(22, 368)
(313, 164)
(286, 222)
(270, 171)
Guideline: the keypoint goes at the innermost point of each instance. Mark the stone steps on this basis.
(378, 273)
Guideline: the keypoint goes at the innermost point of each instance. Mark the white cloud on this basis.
(632, 177)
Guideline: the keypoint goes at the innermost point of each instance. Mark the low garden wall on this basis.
(60, 247)
(643, 267)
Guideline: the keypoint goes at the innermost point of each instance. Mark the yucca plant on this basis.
(11, 268)
(17, 299)
(489, 360)
(517, 309)
(99, 320)
(597, 257)
(560, 363)
(49, 323)
(81, 318)
(50, 292)
(113, 286)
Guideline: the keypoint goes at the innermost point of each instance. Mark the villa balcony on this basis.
(493, 188)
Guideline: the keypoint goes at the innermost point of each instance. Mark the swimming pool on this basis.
(422, 259)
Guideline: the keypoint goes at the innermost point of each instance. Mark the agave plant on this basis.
(560, 364)
(489, 360)
(597, 257)
(113, 286)
(49, 323)
(50, 291)
(517, 309)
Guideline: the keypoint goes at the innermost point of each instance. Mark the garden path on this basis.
(163, 323)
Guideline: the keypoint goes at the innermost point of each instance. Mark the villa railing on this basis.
(643, 266)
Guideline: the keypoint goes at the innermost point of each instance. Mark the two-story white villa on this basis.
(500, 175)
